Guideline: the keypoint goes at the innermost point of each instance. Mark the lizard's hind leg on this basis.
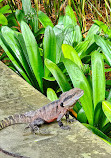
(34, 126)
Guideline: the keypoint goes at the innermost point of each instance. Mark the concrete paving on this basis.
(17, 96)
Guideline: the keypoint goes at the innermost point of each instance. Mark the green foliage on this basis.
(107, 109)
(44, 19)
(33, 53)
(104, 27)
(58, 75)
(98, 132)
(79, 80)
(4, 10)
(51, 95)
(49, 46)
(98, 77)
(105, 46)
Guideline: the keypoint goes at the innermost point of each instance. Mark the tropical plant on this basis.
(94, 48)
(91, 112)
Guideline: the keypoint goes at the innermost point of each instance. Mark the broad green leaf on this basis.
(107, 127)
(51, 95)
(49, 46)
(34, 21)
(106, 105)
(69, 11)
(58, 74)
(49, 78)
(20, 15)
(1, 0)
(99, 116)
(78, 34)
(101, 25)
(91, 48)
(33, 53)
(59, 27)
(59, 42)
(81, 116)
(4, 9)
(12, 21)
(104, 27)
(12, 38)
(13, 58)
(79, 80)
(67, 21)
(98, 132)
(77, 107)
(25, 60)
(3, 19)
(90, 36)
(8, 34)
(44, 19)
(70, 53)
(69, 34)
(72, 35)
(98, 77)
(26, 4)
(105, 46)
(81, 48)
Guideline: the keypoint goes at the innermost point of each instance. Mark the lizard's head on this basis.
(69, 98)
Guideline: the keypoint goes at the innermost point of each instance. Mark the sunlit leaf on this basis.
(70, 53)
(44, 19)
(98, 77)
(106, 105)
(79, 80)
(105, 46)
(51, 95)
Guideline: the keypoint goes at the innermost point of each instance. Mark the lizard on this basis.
(46, 114)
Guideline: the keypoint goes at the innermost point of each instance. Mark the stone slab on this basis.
(17, 96)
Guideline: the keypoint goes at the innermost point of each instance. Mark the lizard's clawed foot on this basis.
(70, 120)
(34, 129)
(65, 127)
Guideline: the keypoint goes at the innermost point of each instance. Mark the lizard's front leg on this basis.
(67, 118)
(60, 122)
(35, 124)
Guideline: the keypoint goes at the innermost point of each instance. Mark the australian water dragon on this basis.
(46, 114)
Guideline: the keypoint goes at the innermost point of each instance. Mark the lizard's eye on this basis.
(61, 104)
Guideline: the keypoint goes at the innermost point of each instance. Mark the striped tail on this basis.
(15, 119)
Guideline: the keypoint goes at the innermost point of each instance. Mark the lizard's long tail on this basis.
(12, 154)
(11, 120)
(15, 119)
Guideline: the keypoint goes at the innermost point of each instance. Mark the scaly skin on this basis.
(46, 114)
